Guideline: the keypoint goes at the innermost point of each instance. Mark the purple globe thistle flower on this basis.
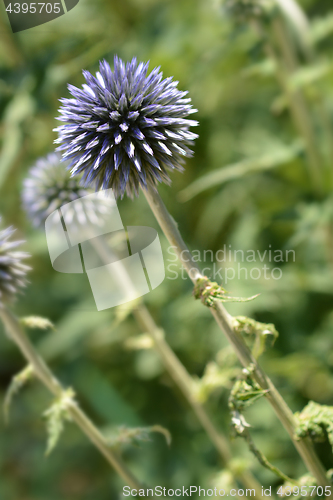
(12, 270)
(125, 129)
(48, 187)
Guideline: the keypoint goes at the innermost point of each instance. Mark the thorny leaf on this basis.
(209, 292)
(56, 416)
(18, 381)
(245, 392)
(315, 421)
(262, 335)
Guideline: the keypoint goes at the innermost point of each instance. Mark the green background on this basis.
(243, 116)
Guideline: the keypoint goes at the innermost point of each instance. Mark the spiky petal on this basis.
(126, 128)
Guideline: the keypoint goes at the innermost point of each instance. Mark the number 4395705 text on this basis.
(33, 7)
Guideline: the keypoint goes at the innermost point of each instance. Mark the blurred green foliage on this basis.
(252, 192)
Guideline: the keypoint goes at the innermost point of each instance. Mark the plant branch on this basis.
(263, 460)
(176, 370)
(44, 374)
(225, 322)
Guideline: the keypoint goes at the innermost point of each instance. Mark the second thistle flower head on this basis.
(48, 187)
(125, 129)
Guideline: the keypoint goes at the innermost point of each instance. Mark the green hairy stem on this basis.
(177, 371)
(226, 324)
(44, 374)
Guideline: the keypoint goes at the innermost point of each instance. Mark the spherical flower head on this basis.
(126, 129)
(12, 270)
(48, 187)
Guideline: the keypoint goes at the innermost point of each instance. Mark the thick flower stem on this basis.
(224, 320)
(44, 374)
(177, 371)
(184, 381)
